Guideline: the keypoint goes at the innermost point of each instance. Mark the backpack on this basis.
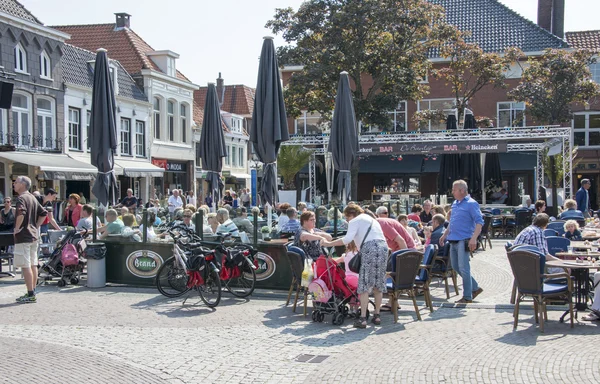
(320, 291)
(69, 255)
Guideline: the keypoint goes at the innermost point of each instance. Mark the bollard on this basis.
(145, 224)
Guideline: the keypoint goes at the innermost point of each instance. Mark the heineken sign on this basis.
(437, 148)
(144, 264)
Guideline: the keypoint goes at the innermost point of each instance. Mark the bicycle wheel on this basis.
(210, 291)
(171, 279)
(242, 286)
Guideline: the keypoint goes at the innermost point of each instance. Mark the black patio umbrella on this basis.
(449, 164)
(343, 142)
(103, 128)
(269, 121)
(492, 171)
(212, 143)
(471, 162)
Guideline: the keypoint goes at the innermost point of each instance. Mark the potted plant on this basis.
(266, 232)
(290, 161)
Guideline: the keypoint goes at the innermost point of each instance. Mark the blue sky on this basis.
(226, 35)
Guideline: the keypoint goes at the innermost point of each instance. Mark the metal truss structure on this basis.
(518, 139)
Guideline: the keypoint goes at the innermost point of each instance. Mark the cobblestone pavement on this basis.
(129, 335)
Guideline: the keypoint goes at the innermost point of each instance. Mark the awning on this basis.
(384, 164)
(133, 168)
(54, 166)
(240, 175)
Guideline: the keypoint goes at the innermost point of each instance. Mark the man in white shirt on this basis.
(86, 221)
(174, 202)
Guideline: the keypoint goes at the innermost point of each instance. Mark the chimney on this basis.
(551, 16)
(220, 90)
(123, 20)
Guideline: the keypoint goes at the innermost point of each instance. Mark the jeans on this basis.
(459, 258)
(44, 229)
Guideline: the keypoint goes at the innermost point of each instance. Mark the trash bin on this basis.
(96, 265)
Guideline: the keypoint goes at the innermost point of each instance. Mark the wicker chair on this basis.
(528, 267)
(424, 277)
(296, 256)
(486, 232)
(407, 265)
(442, 269)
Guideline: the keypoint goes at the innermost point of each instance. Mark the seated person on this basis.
(342, 224)
(128, 232)
(415, 213)
(308, 237)
(534, 235)
(282, 219)
(242, 222)
(125, 211)
(187, 220)
(226, 225)
(113, 225)
(403, 219)
(211, 224)
(293, 223)
(7, 216)
(500, 197)
(571, 211)
(595, 309)
(572, 231)
(151, 235)
(85, 222)
(435, 232)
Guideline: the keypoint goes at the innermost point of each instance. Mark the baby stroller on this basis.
(65, 261)
(331, 291)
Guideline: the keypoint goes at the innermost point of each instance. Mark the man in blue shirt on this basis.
(293, 224)
(465, 226)
(582, 197)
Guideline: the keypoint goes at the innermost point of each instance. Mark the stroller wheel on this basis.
(345, 311)
(338, 319)
(321, 317)
(315, 316)
(74, 281)
(61, 283)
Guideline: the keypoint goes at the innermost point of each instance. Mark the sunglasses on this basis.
(187, 217)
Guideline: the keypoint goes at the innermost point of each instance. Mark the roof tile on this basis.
(584, 40)
(14, 8)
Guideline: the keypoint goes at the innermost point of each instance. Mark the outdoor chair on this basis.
(558, 226)
(522, 247)
(550, 232)
(557, 244)
(406, 266)
(424, 277)
(9, 257)
(528, 268)
(297, 256)
(485, 234)
(442, 269)
(522, 219)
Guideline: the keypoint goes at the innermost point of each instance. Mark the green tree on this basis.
(382, 44)
(290, 160)
(550, 86)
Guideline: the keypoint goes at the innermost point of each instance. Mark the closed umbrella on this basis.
(471, 162)
(449, 164)
(343, 142)
(492, 171)
(103, 131)
(212, 143)
(269, 121)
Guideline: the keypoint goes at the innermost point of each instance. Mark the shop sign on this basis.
(266, 267)
(144, 263)
(160, 163)
(226, 173)
(421, 148)
(176, 167)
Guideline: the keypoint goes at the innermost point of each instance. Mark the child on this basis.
(351, 277)
(127, 231)
(572, 231)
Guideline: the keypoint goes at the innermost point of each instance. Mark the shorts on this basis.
(26, 255)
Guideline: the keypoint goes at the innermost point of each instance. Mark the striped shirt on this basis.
(533, 235)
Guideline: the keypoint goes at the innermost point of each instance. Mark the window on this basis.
(157, 118)
(45, 67)
(511, 114)
(236, 125)
(308, 124)
(3, 126)
(125, 136)
(20, 59)
(397, 121)
(234, 157)
(140, 139)
(444, 105)
(171, 66)
(21, 112)
(586, 129)
(241, 157)
(171, 118)
(595, 70)
(45, 122)
(88, 123)
(227, 162)
(74, 129)
(183, 116)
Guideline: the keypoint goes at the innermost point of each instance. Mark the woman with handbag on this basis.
(372, 258)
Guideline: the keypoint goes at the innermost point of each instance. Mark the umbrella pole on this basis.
(483, 197)
(269, 218)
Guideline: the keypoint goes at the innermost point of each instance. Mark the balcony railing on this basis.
(38, 143)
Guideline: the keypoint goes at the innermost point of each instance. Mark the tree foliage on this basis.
(553, 82)
(382, 44)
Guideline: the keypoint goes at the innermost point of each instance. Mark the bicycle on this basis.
(194, 267)
(238, 270)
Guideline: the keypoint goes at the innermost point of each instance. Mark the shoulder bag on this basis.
(356, 261)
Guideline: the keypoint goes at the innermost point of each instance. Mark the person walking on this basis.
(465, 226)
(582, 197)
(29, 216)
(174, 202)
(366, 232)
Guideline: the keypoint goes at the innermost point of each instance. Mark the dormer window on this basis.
(165, 61)
(171, 66)
(20, 59)
(114, 74)
(45, 67)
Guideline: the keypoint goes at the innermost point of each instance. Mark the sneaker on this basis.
(477, 292)
(26, 299)
(464, 301)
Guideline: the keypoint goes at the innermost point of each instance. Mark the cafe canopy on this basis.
(554, 139)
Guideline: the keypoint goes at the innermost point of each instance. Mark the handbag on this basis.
(356, 261)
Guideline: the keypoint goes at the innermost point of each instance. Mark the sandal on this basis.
(376, 319)
(361, 322)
